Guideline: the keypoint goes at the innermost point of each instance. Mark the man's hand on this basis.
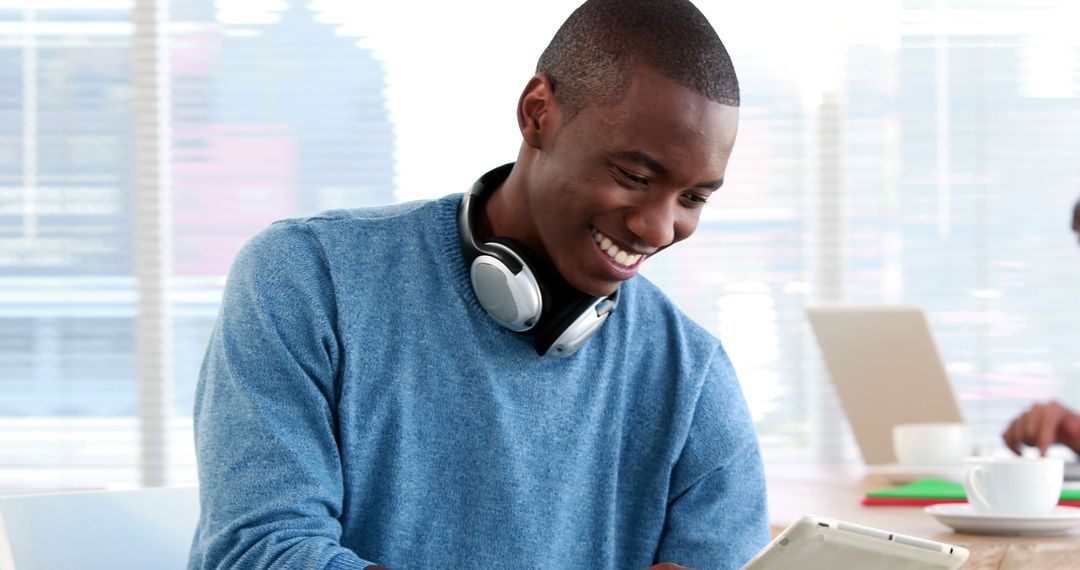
(1043, 425)
(668, 566)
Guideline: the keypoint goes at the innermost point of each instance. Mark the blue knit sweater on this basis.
(357, 406)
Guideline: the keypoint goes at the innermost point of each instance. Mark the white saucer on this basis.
(962, 518)
(897, 473)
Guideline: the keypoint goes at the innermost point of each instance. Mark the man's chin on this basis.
(595, 282)
(599, 289)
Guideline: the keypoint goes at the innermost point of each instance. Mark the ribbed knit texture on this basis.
(357, 406)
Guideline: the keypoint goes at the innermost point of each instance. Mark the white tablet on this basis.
(819, 542)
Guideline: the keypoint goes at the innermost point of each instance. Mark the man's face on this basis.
(618, 183)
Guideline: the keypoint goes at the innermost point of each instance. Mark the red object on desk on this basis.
(902, 502)
(905, 502)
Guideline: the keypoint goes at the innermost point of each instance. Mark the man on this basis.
(1049, 423)
(361, 404)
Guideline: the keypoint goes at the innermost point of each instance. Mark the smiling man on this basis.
(599, 190)
(483, 381)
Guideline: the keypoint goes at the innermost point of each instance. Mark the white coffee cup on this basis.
(932, 444)
(1013, 485)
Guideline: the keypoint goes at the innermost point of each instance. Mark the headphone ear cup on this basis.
(565, 317)
(503, 295)
(569, 316)
(516, 301)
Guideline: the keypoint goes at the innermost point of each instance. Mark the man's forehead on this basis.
(658, 132)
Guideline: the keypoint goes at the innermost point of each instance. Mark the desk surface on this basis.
(835, 492)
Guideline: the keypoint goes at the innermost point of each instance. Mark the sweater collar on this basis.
(449, 247)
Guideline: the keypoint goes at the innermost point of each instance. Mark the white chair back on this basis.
(100, 530)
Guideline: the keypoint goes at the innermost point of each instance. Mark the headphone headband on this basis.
(474, 200)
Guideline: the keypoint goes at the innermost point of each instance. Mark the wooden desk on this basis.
(835, 492)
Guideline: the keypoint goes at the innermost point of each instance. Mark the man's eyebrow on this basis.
(642, 157)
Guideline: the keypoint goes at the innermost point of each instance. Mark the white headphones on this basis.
(521, 291)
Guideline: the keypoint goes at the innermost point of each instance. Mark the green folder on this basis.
(928, 491)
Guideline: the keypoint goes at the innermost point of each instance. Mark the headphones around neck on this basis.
(521, 291)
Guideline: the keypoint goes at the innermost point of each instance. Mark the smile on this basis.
(617, 255)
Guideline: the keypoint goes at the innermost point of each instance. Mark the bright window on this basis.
(889, 151)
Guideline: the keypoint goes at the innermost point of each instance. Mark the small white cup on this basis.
(1013, 485)
(931, 444)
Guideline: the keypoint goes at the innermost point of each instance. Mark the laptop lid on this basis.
(886, 369)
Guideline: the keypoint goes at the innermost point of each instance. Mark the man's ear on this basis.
(537, 110)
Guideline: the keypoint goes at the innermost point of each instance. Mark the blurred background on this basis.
(890, 151)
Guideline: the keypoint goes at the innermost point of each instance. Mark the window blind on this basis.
(889, 152)
(896, 152)
(66, 261)
(142, 143)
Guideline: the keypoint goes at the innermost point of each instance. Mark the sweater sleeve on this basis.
(717, 516)
(270, 476)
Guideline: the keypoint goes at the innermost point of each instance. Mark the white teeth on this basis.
(613, 251)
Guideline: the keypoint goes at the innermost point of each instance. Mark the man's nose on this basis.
(653, 222)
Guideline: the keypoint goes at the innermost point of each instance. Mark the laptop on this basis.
(887, 370)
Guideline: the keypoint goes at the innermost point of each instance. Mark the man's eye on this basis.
(634, 179)
(697, 199)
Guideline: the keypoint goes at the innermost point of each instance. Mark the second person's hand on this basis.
(1042, 425)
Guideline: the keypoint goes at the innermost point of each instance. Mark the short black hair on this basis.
(593, 55)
